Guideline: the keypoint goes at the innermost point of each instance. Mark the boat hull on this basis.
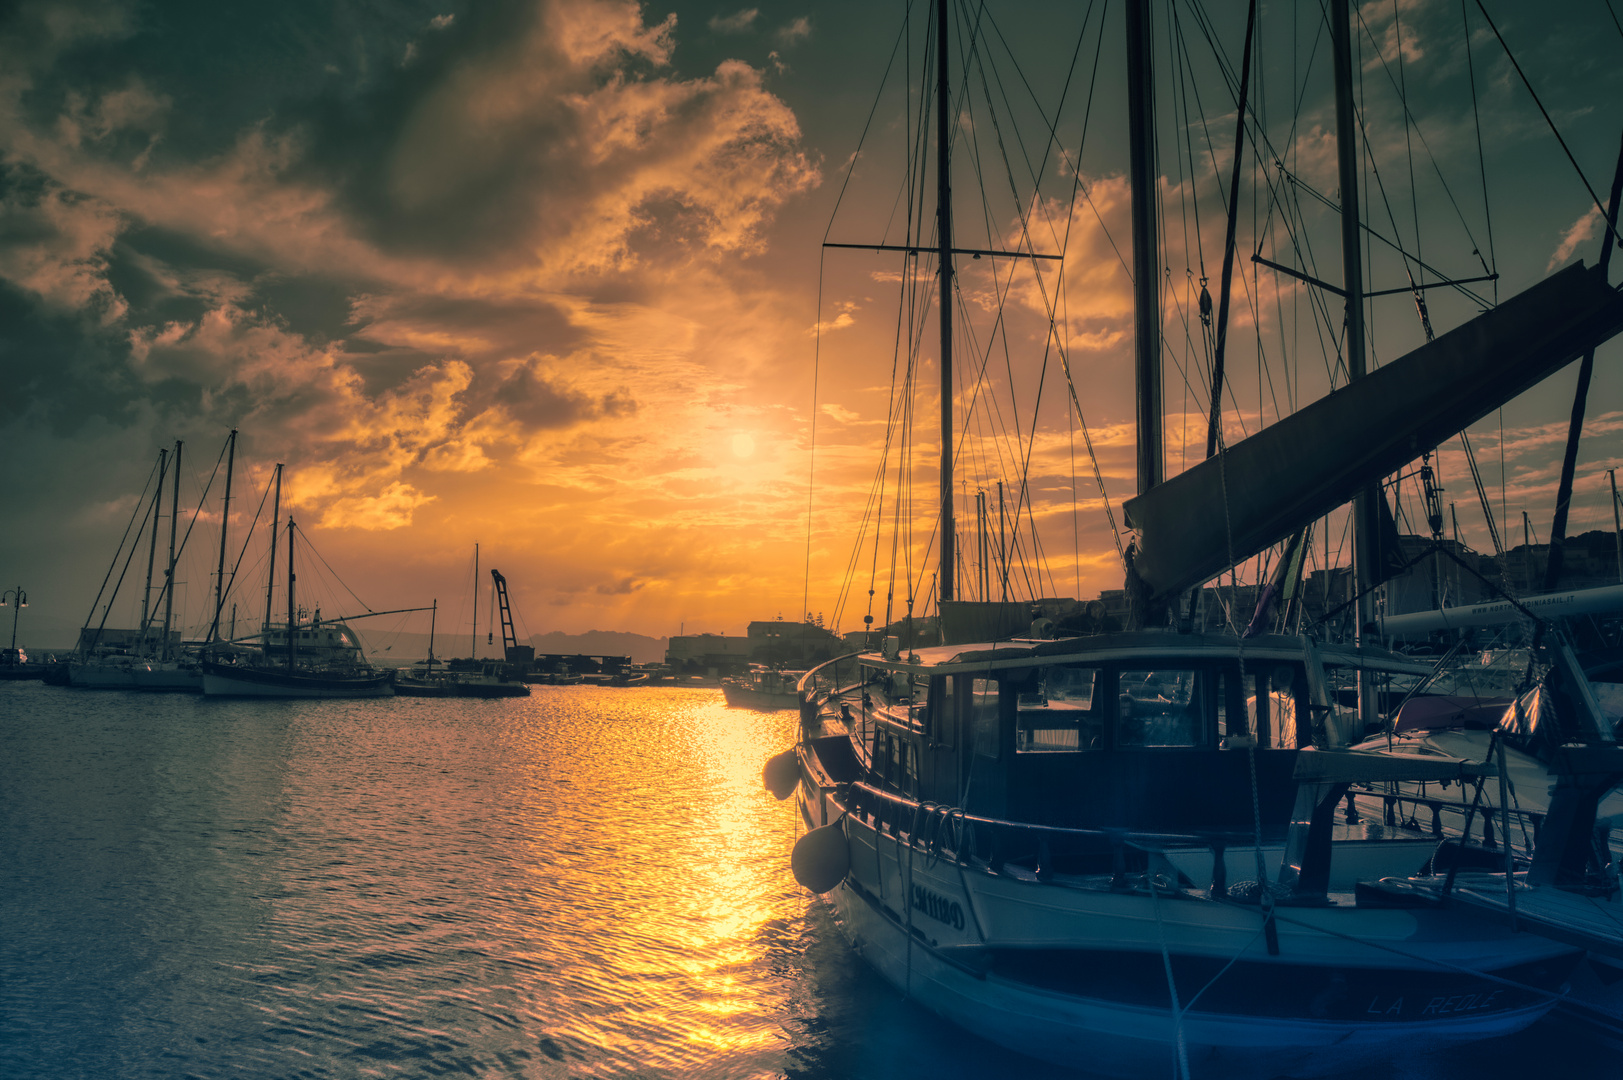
(1079, 976)
(421, 688)
(225, 680)
(139, 675)
(473, 688)
(744, 697)
(1117, 1038)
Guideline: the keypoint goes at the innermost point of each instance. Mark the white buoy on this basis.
(821, 858)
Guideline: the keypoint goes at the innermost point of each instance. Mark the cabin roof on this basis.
(1159, 645)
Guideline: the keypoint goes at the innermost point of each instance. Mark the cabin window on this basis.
(919, 709)
(1057, 711)
(983, 716)
(1162, 707)
(1230, 721)
(1282, 708)
(942, 716)
(1276, 720)
(907, 776)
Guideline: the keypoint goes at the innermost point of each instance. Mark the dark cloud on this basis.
(62, 371)
(539, 402)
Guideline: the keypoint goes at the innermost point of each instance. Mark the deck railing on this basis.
(828, 679)
(1392, 815)
(1005, 847)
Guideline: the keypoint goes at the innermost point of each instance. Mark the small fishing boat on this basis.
(762, 687)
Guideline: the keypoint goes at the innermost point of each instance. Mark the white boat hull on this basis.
(140, 675)
(1077, 975)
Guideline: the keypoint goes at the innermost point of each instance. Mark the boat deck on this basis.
(1594, 923)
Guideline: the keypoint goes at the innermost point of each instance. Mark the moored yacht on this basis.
(314, 658)
(1112, 851)
(1059, 844)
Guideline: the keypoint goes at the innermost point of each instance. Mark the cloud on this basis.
(1580, 232)
(391, 509)
(795, 31)
(737, 23)
(56, 244)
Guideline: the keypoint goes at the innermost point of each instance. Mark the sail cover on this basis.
(1318, 457)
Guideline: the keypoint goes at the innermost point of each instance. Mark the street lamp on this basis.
(20, 599)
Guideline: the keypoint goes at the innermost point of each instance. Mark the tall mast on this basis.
(1146, 261)
(291, 621)
(1617, 522)
(433, 614)
(276, 525)
(1352, 273)
(225, 518)
(152, 548)
(943, 196)
(169, 574)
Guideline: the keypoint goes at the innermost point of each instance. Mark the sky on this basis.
(546, 276)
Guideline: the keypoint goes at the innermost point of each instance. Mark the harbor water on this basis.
(589, 882)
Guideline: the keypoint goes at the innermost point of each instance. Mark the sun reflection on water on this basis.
(661, 863)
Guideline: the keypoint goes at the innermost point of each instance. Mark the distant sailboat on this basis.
(305, 657)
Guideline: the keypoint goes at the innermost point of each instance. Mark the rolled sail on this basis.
(1318, 457)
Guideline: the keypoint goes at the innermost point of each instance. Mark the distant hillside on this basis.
(641, 649)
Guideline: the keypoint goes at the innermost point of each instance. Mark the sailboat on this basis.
(1112, 850)
(303, 657)
(427, 677)
(152, 659)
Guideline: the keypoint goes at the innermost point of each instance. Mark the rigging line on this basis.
(1481, 161)
(1408, 123)
(136, 509)
(1185, 72)
(1183, 64)
(1221, 330)
(1400, 85)
(1052, 141)
(867, 125)
(1612, 228)
(1223, 198)
(1386, 201)
(1022, 497)
(1064, 157)
(1000, 328)
(1370, 234)
(876, 491)
(310, 547)
(193, 522)
(1262, 139)
(1064, 356)
(817, 368)
(1079, 186)
(247, 536)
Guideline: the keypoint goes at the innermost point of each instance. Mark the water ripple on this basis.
(583, 883)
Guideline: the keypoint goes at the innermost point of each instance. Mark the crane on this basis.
(511, 649)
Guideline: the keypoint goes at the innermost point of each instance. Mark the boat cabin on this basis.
(1148, 732)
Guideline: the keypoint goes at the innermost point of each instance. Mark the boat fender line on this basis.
(821, 859)
(781, 775)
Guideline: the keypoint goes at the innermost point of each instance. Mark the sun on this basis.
(743, 446)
